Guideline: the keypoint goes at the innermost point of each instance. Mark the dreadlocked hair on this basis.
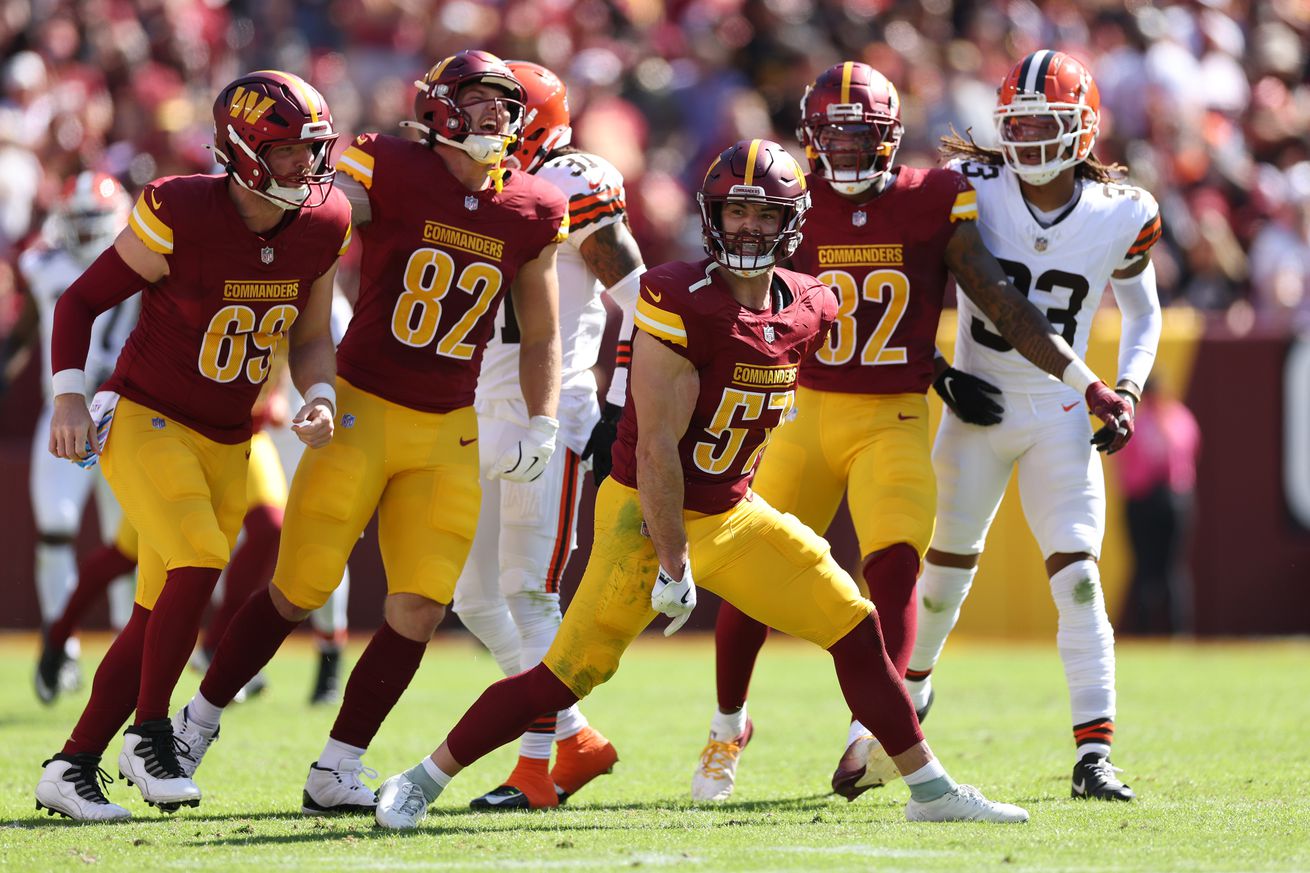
(955, 146)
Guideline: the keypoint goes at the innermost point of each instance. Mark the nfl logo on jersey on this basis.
(768, 333)
(859, 217)
(266, 254)
(471, 203)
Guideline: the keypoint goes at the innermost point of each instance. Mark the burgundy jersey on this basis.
(747, 362)
(438, 258)
(885, 260)
(201, 348)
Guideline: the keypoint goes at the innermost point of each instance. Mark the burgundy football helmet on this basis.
(753, 171)
(440, 116)
(850, 126)
(262, 111)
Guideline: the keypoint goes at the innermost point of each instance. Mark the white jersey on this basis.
(596, 199)
(48, 273)
(1062, 269)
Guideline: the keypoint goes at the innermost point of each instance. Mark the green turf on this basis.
(1213, 737)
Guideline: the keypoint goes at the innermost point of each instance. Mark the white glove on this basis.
(676, 598)
(526, 460)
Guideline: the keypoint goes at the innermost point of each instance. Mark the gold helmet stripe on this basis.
(301, 87)
(846, 70)
(751, 157)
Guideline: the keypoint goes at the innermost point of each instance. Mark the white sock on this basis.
(334, 752)
(56, 576)
(571, 721)
(857, 730)
(726, 727)
(1099, 749)
(929, 782)
(919, 691)
(940, 594)
(536, 745)
(430, 778)
(204, 713)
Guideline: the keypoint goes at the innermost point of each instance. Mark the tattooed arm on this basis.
(611, 253)
(982, 280)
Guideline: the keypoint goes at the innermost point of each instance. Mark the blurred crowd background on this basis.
(1206, 101)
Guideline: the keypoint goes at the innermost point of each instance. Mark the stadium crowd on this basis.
(1207, 101)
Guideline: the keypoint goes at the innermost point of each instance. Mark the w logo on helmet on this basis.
(249, 105)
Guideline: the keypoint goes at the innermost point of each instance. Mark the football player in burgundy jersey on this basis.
(884, 238)
(447, 231)
(230, 264)
(1066, 226)
(508, 594)
(714, 369)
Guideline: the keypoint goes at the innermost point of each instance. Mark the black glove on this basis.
(968, 397)
(601, 442)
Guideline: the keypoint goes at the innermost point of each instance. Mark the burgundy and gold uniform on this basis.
(767, 563)
(177, 450)
(861, 411)
(437, 260)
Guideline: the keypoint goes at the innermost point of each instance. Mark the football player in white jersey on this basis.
(508, 594)
(93, 209)
(1062, 226)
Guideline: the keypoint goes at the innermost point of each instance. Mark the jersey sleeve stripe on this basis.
(578, 219)
(1149, 229)
(157, 236)
(578, 201)
(966, 206)
(345, 243)
(1142, 246)
(562, 233)
(357, 164)
(659, 323)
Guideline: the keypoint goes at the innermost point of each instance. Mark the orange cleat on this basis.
(580, 759)
(528, 787)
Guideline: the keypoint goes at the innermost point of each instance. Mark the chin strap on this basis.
(497, 175)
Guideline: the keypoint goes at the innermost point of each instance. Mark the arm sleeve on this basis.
(106, 283)
(1142, 322)
(625, 293)
(356, 168)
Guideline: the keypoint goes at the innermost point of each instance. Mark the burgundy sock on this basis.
(380, 676)
(114, 689)
(253, 637)
(891, 574)
(737, 642)
(505, 710)
(170, 637)
(873, 689)
(94, 574)
(250, 569)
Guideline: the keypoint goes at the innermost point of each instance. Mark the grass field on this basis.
(1215, 739)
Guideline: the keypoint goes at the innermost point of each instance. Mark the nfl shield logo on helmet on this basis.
(266, 254)
(471, 203)
(768, 333)
(859, 218)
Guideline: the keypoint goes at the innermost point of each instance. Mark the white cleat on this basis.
(964, 803)
(149, 761)
(328, 792)
(716, 776)
(71, 786)
(196, 739)
(865, 765)
(401, 804)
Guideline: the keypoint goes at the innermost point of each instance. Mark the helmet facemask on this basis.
(1052, 136)
(295, 190)
(745, 253)
(458, 130)
(852, 155)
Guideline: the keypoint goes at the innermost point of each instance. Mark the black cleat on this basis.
(921, 714)
(504, 797)
(1094, 778)
(49, 670)
(327, 682)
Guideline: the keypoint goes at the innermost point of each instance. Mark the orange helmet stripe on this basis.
(846, 70)
(751, 157)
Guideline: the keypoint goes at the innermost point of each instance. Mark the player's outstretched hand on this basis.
(1115, 410)
(527, 458)
(313, 423)
(72, 433)
(973, 400)
(601, 443)
(675, 598)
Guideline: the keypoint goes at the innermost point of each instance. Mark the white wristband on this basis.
(323, 391)
(1078, 375)
(68, 381)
